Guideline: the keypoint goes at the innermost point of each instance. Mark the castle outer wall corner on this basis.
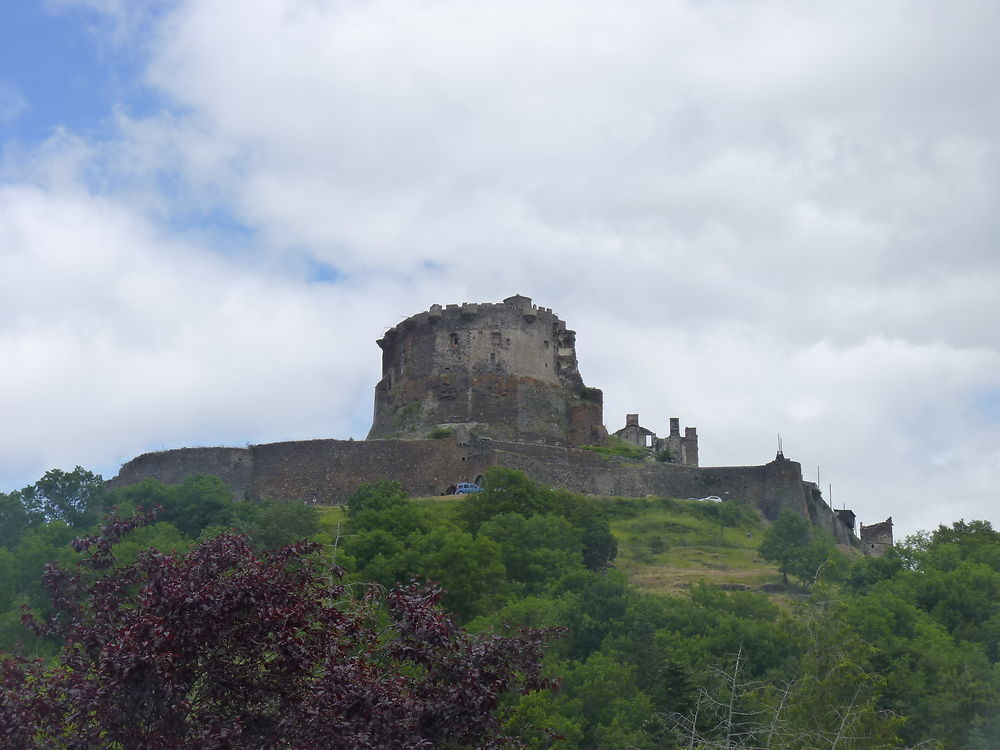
(234, 466)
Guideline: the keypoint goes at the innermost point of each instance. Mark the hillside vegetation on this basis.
(675, 633)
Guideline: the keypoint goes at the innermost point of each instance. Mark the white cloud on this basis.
(759, 217)
(117, 338)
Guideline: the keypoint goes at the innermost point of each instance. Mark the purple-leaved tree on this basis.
(225, 648)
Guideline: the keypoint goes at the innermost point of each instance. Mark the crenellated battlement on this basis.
(513, 309)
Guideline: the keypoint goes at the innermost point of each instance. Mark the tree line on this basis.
(527, 636)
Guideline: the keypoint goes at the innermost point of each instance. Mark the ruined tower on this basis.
(507, 371)
(876, 538)
(674, 448)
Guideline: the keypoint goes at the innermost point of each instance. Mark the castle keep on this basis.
(506, 371)
(495, 384)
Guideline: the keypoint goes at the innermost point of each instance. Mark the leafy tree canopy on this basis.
(76, 497)
(797, 548)
(223, 647)
(508, 491)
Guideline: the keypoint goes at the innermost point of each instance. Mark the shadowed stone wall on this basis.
(317, 471)
(232, 465)
(328, 471)
(506, 370)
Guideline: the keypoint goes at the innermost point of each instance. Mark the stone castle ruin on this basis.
(504, 371)
(673, 448)
(876, 538)
(466, 387)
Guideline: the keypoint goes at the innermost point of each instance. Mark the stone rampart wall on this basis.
(328, 471)
(232, 465)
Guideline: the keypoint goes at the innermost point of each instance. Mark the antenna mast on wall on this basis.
(781, 453)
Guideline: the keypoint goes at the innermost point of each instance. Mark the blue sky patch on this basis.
(987, 403)
(323, 273)
(68, 75)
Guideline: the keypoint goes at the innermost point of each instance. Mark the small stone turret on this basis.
(507, 371)
(876, 538)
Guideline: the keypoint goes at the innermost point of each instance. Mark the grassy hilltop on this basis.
(665, 545)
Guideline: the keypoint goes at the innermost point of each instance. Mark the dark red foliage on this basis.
(222, 648)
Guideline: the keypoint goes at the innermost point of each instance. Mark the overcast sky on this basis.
(760, 216)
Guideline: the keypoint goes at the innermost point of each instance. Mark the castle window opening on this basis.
(493, 358)
(495, 338)
(649, 441)
(508, 342)
(454, 339)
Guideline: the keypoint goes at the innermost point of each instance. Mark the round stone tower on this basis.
(506, 371)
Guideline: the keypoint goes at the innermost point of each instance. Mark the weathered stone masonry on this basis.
(678, 450)
(506, 371)
(501, 381)
(328, 471)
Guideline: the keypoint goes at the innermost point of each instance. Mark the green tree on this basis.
(535, 550)
(797, 548)
(193, 505)
(376, 496)
(14, 519)
(384, 506)
(598, 705)
(77, 497)
(504, 491)
(468, 568)
(509, 491)
(274, 524)
(730, 514)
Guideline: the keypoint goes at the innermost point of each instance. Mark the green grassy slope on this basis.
(664, 545)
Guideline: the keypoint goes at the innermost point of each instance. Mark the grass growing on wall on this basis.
(619, 448)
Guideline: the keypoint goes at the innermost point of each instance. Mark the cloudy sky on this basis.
(760, 216)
